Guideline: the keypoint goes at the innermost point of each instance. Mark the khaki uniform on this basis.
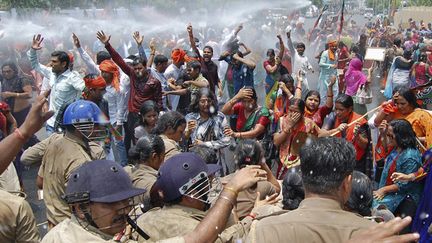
(177, 220)
(316, 220)
(9, 179)
(142, 176)
(61, 158)
(17, 221)
(246, 199)
(171, 147)
(69, 231)
(35, 153)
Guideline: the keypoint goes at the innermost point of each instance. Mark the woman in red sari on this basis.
(357, 133)
(315, 112)
(292, 129)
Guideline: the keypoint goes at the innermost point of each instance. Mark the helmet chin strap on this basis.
(88, 217)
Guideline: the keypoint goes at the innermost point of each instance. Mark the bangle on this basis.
(329, 95)
(229, 200)
(234, 191)
(252, 215)
(19, 134)
(299, 88)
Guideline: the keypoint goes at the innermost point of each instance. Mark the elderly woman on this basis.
(404, 158)
(206, 124)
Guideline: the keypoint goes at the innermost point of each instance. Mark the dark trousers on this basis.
(132, 122)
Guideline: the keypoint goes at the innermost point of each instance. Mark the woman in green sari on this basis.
(252, 120)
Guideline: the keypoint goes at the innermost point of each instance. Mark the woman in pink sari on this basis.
(354, 77)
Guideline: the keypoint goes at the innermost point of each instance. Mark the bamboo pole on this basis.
(358, 119)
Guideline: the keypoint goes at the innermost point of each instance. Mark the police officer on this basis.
(99, 194)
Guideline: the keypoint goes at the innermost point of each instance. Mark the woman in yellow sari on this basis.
(420, 119)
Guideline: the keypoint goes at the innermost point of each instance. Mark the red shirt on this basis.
(140, 90)
(319, 115)
(241, 118)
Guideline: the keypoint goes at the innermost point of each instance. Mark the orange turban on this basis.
(178, 55)
(110, 67)
(94, 83)
(331, 44)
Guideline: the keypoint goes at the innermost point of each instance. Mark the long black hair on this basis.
(170, 119)
(248, 152)
(147, 106)
(404, 134)
(146, 145)
(194, 106)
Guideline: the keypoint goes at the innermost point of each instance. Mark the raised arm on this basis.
(290, 44)
(329, 101)
(281, 47)
(11, 145)
(227, 109)
(192, 40)
(114, 54)
(139, 40)
(152, 46)
(32, 56)
(245, 61)
(91, 65)
(247, 50)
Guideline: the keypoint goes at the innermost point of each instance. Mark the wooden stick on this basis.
(358, 119)
(421, 144)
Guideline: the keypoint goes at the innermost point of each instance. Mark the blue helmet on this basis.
(84, 115)
(83, 111)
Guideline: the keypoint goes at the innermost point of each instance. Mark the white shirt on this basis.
(65, 88)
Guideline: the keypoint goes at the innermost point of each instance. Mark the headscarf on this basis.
(330, 52)
(94, 83)
(178, 55)
(354, 77)
(110, 67)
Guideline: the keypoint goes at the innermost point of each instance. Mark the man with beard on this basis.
(208, 68)
(143, 85)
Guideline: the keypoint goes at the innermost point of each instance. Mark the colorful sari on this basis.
(420, 121)
(299, 134)
(408, 161)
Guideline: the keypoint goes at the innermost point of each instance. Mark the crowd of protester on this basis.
(179, 142)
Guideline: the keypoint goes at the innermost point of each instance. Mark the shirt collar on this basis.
(319, 202)
(92, 229)
(73, 138)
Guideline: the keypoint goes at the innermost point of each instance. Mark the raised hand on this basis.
(37, 116)
(76, 40)
(189, 29)
(244, 93)
(247, 177)
(152, 45)
(37, 40)
(385, 232)
(103, 37)
(138, 38)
